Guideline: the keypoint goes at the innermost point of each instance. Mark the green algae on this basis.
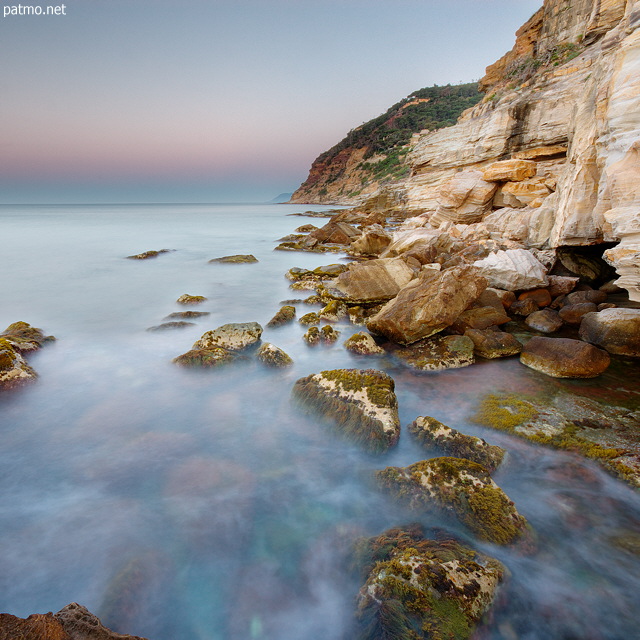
(504, 412)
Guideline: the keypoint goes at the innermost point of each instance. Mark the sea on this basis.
(190, 504)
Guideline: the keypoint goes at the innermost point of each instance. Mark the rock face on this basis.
(432, 434)
(616, 330)
(73, 622)
(564, 357)
(412, 583)
(465, 198)
(361, 403)
(428, 304)
(461, 488)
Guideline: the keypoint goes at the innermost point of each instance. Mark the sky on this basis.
(217, 100)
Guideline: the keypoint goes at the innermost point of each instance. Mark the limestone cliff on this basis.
(375, 153)
(563, 109)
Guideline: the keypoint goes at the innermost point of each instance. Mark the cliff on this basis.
(375, 153)
(563, 109)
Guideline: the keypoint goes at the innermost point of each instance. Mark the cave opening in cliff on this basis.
(585, 262)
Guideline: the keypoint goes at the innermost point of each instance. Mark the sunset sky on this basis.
(217, 100)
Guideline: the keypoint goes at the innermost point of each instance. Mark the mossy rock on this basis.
(420, 588)
(234, 336)
(181, 315)
(206, 358)
(284, 315)
(312, 337)
(432, 434)
(461, 488)
(189, 299)
(23, 337)
(14, 370)
(273, 356)
(329, 335)
(145, 255)
(310, 318)
(361, 404)
(168, 326)
(333, 311)
(363, 344)
(239, 258)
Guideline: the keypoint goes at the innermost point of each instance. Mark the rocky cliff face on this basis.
(565, 102)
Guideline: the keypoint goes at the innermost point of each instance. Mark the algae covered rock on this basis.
(329, 335)
(145, 255)
(310, 318)
(234, 336)
(437, 353)
(14, 369)
(284, 315)
(312, 336)
(239, 258)
(207, 358)
(333, 311)
(181, 315)
(186, 299)
(23, 337)
(273, 356)
(168, 326)
(360, 403)
(432, 434)
(461, 488)
(420, 588)
(363, 344)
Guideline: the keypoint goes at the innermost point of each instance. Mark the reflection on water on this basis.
(200, 504)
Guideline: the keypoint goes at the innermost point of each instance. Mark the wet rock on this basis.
(189, 299)
(441, 588)
(168, 326)
(232, 336)
(148, 254)
(590, 295)
(333, 311)
(545, 321)
(616, 330)
(428, 304)
(310, 318)
(513, 270)
(312, 336)
(573, 313)
(432, 434)
(564, 357)
(493, 344)
(273, 356)
(437, 353)
(542, 297)
(14, 370)
(374, 280)
(363, 344)
(236, 259)
(73, 622)
(23, 337)
(559, 285)
(329, 335)
(284, 315)
(479, 318)
(460, 488)
(372, 242)
(360, 403)
(206, 358)
(524, 307)
(179, 315)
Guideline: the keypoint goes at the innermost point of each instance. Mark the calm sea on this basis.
(181, 504)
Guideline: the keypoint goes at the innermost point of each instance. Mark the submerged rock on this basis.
(616, 330)
(167, 326)
(179, 315)
(284, 315)
(493, 344)
(545, 321)
(461, 488)
(437, 353)
(564, 357)
(273, 356)
(148, 254)
(432, 434)
(189, 299)
(235, 259)
(73, 622)
(363, 344)
(310, 318)
(234, 336)
(361, 403)
(421, 588)
(207, 358)
(312, 336)
(14, 370)
(328, 334)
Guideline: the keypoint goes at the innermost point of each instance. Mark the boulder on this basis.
(14, 370)
(240, 258)
(559, 285)
(206, 358)
(284, 315)
(328, 334)
(232, 336)
(333, 311)
(168, 326)
(23, 337)
(306, 228)
(73, 622)
(428, 304)
(312, 336)
(363, 344)
(545, 321)
(465, 198)
(573, 313)
(437, 353)
(524, 307)
(564, 357)
(432, 434)
(479, 318)
(460, 488)
(542, 297)
(372, 242)
(310, 318)
(273, 356)
(333, 232)
(180, 315)
(509, 171)
(595, 296)
(189, 299)
(616, 330)
(493, 344)
(374, 280)
(453, 584)
(360, 403)
(513, 270)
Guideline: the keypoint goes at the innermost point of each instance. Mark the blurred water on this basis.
(199, 504)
